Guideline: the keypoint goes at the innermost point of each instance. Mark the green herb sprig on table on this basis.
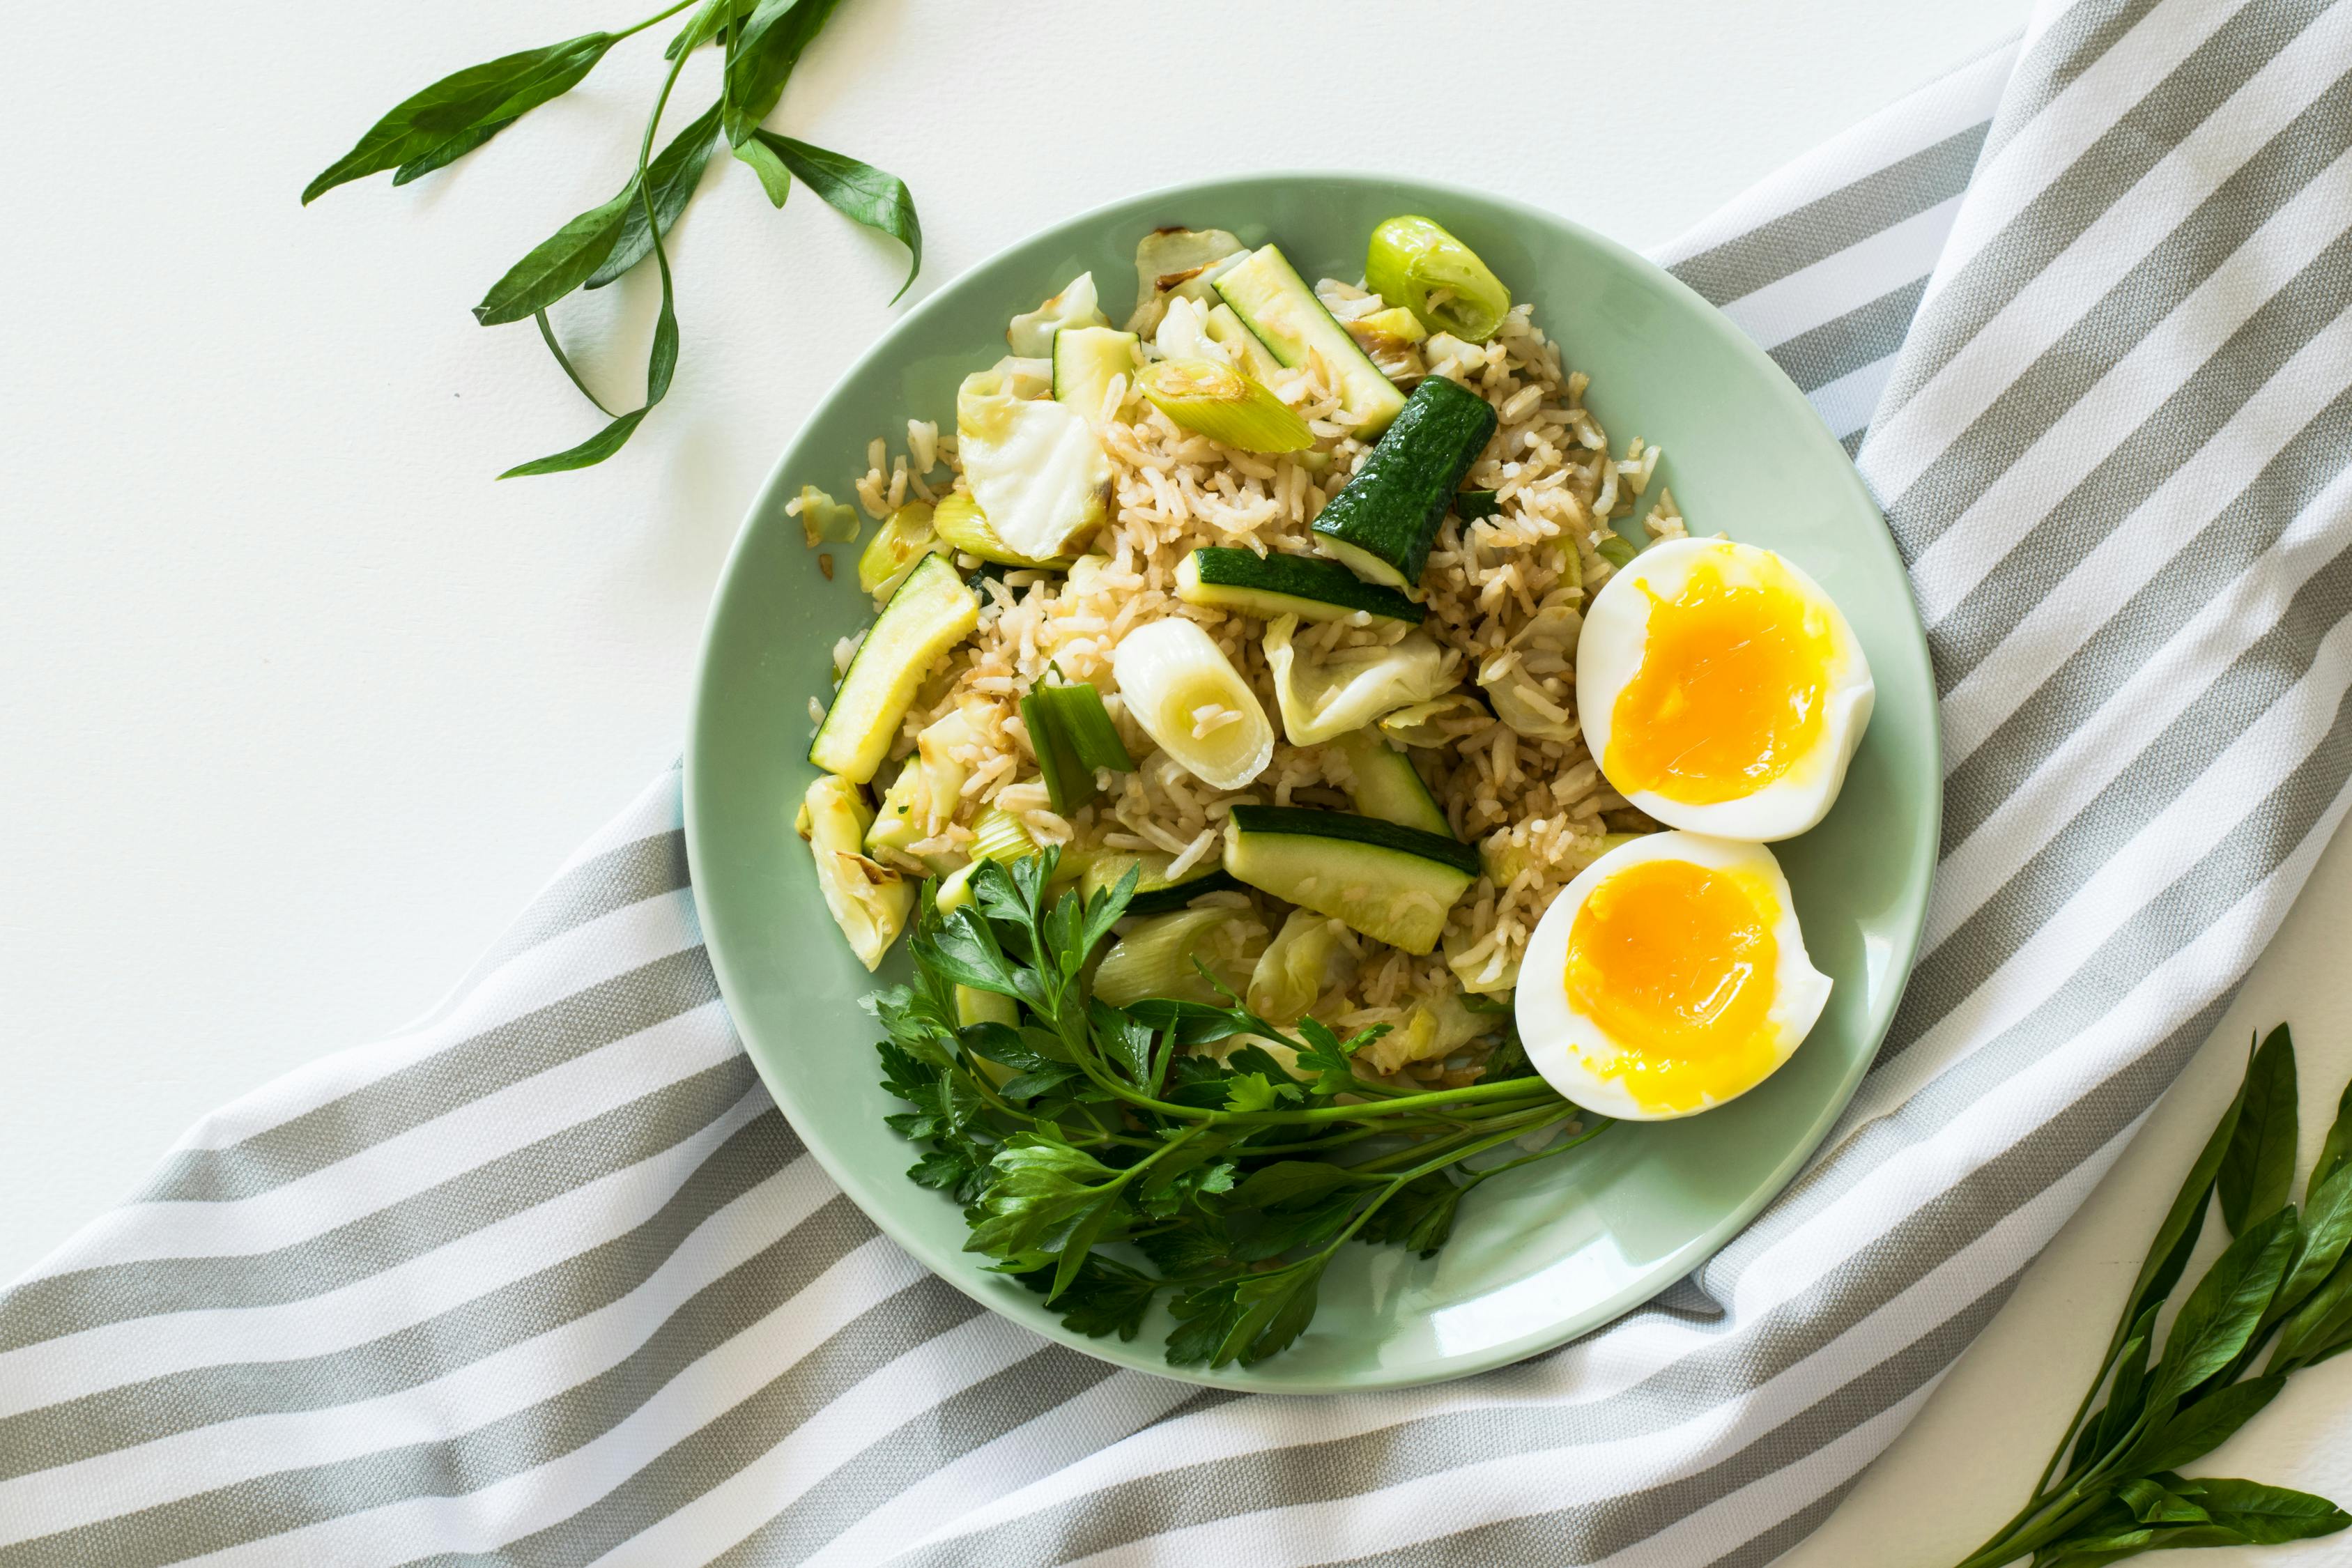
(1075, 1131)
(761, 41)
(2112, 1490)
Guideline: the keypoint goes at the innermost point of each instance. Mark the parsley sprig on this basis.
(1102, 1161)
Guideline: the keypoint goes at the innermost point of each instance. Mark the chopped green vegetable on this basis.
(1472, 505)
(1165, 956)
(1615, 549)
(895, 548)
(1224, 405)
(1076, 711)
(999, 835)
(1069, 783)
(825, 520)
(868, 900)
(1415, 263)
(1237, 1179)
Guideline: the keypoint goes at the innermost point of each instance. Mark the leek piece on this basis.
(959, 520)
(955, 892)
(1415, 263)
(906, 539)
(985, 1007)
(1323, 699)
(1158, 957)
(1224, 405)
(999, 835)
(1069, 784)
(1079, 713)
(869, 902)
(1180, 686)
(1615, 548)
(824, 519)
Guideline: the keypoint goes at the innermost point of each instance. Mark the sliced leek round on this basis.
(1180, 686)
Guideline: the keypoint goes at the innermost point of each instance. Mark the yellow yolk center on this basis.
(1675, 963)
(1730, 692)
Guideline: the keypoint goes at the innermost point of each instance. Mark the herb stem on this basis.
(654, 20)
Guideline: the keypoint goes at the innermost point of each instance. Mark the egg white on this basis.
(1574, 1054)
(1609, 652)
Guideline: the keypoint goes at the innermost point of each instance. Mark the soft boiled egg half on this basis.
(1721, 691)
(1668, 978)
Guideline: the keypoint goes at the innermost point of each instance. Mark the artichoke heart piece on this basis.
(1325, 695)
(869, 901)
(1031, 335)
(1036, 468)
(1307, 956)
(1521, 702)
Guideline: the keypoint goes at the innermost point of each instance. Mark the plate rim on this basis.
(978, 1284)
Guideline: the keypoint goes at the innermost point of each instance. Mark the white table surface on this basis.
(299, 706)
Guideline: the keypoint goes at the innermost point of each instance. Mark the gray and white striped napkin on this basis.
(547, 1281)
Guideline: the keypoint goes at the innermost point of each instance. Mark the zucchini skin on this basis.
(1178, 895)
(1304, 822)
(1389, 512)
(1313, 587)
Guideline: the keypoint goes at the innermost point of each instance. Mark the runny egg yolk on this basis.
(1730, 690)
(1675, 963)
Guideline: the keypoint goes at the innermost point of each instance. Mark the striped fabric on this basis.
(547, 1280)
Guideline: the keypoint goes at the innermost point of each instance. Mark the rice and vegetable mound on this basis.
(1200, 433)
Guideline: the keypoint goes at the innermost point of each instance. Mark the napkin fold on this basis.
(546, 1279)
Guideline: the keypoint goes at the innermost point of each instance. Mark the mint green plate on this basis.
(1539, 1256)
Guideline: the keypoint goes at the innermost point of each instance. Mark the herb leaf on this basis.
(2258, 1171)
(859, 191)
(558, 264)
(672, 177)
(464, 108)
(2221, 1314)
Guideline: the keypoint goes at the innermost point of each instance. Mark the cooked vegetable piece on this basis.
(1180, 686)
(1615, 548)
(998, 835)
(893, 551)
(1177, 263)
(962, 525)
(1311, 587)
(1086, 360)
(1329, 694)
(930, 613)
(1033, 465)
(1154, 893)
(903, 816)
(869, 901)
(1273, 302)
(1079, 713)
(1381, 522)
(1432, 1029)
(1391, 883)
(1306, 958)
(985, 1007)
(825, 520)
(1385, 785)
(1069, 784)
(1420, 724)
(1472, 505)
(1415, 263)
(1162, 957)
(1031, 335)
(1393, 339)
(1221, 403)
(1248, 355)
